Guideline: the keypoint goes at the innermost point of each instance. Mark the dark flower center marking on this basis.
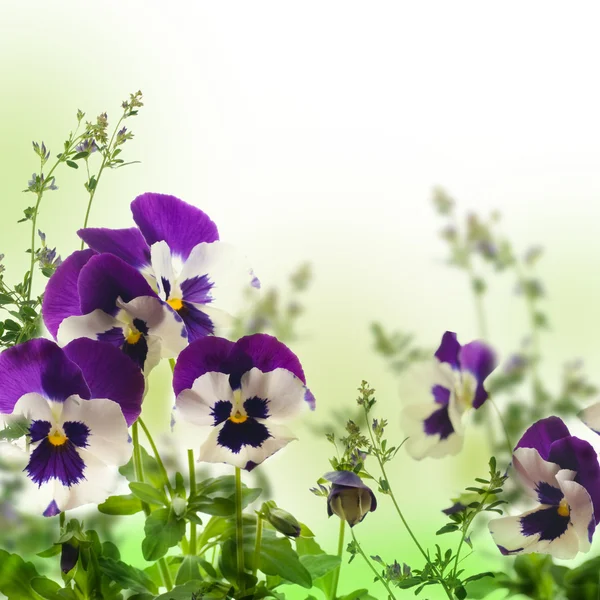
(550, 523)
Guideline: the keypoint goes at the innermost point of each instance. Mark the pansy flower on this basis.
(176, 246)
(561, 472)
(244, 391)
(101, 297)
(349, 498)
(455, 383)
(75, 405)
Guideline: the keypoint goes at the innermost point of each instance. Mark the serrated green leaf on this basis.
(318, 565)
(163, 531)
(126, 576)
(16, 576)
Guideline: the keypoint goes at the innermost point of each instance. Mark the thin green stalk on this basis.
(239, 531)
(192, 468)
(92, 192)
(161, 465)
(139, 475)
(396, 505)
(509, 444)
(257, 545)
(377, 575)
(61, 519)
(336, 574)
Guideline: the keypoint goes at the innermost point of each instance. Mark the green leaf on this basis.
(163, 531)
(181, 592)
(278, 558)
(15, 430)
(147, 493)
(447, 529)
(83, 154)
(72, 164)
(460, 593)
(121, 505)
(128, 577)
(319, 565)
(152, 472)
(52, 551)
(45, 587)
(189, 570)
(362, 594)
(16, 576)
(5, 299)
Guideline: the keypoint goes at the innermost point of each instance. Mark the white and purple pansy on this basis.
(244, 391)
(349, 498)
(101, 297)
(176, 246)
(75, 404)
(455, 382)
(561, 472)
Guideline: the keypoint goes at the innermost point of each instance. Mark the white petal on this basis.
(532, 469)
(196, 405)
(222, 321)
(86, 326)
(226, 268)
(591, 417)
(283, 390)
(35, 407)
(109, 438)
(580, 506)
(162, 265)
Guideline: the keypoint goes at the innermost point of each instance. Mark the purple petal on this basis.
(52, 509)
(449, 349)
(547, 522)
(128, 244)
(109, 374)
(480, 360)
(48, 462)
(578, 455)
(106, 278)
(202, 356)
(198, 323)
(38, 366)
(346, 478)
(542, 434)
(183, 226)
(197, 289)
(439, 423)
(61, 299)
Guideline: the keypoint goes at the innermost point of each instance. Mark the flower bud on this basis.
(68, 557)
(283, 521)
(179, 506)
(350, 499)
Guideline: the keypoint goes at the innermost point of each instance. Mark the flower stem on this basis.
(161, 465)
(404, 521)
(257, 545)
(192, 468)
(378, 576)
(239, 531)
(336, 573)
(138, 467)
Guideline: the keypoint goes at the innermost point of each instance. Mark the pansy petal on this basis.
(61, 298)
(448, 350)
(202, 356)
(128, 244)
(480, 360)
(90, 326)
(163, 217)
(537, 475)
(591, 417)
(33, 407)
(216, 273)
(38, 366)
(162, 268)
(197, 321)
(581, 509)
(579, 456)
(542, 434)
(283, 391)
(107, 278)
(109, 374)
(196, 405)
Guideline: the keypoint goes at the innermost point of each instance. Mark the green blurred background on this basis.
(315, 132)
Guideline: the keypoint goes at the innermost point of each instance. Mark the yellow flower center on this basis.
(175, 303)
(56, 438)
(238, 417)
(133, 337)
(563, 509)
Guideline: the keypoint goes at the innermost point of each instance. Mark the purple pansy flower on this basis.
(101, 297)
(455, 382)
(244, 391)
(349, 498)
(176, 246)
(76, 404)
(561, 472)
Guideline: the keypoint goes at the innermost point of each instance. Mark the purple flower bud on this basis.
(350, 499)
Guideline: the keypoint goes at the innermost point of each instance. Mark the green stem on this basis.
(61, 519)
(377, 575)
(138, 467)
(257, 545)
(93, 190)
(161, 465)
(396, 505)
(509, 444)
(192, 469)
(239, 531)
(336, 574)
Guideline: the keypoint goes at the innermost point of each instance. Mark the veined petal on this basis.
(449, 349)
(581, 509)
(34, 408)
(61, 298)
(480, 360)
(128, 244)
(109, 374)
(536, 474)
(542, 434)
(591, 417)
(283, 391)
(89, 326)
(162, 267)
(182, 226)
(106, 278)
(41, 367)
(196, 405)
